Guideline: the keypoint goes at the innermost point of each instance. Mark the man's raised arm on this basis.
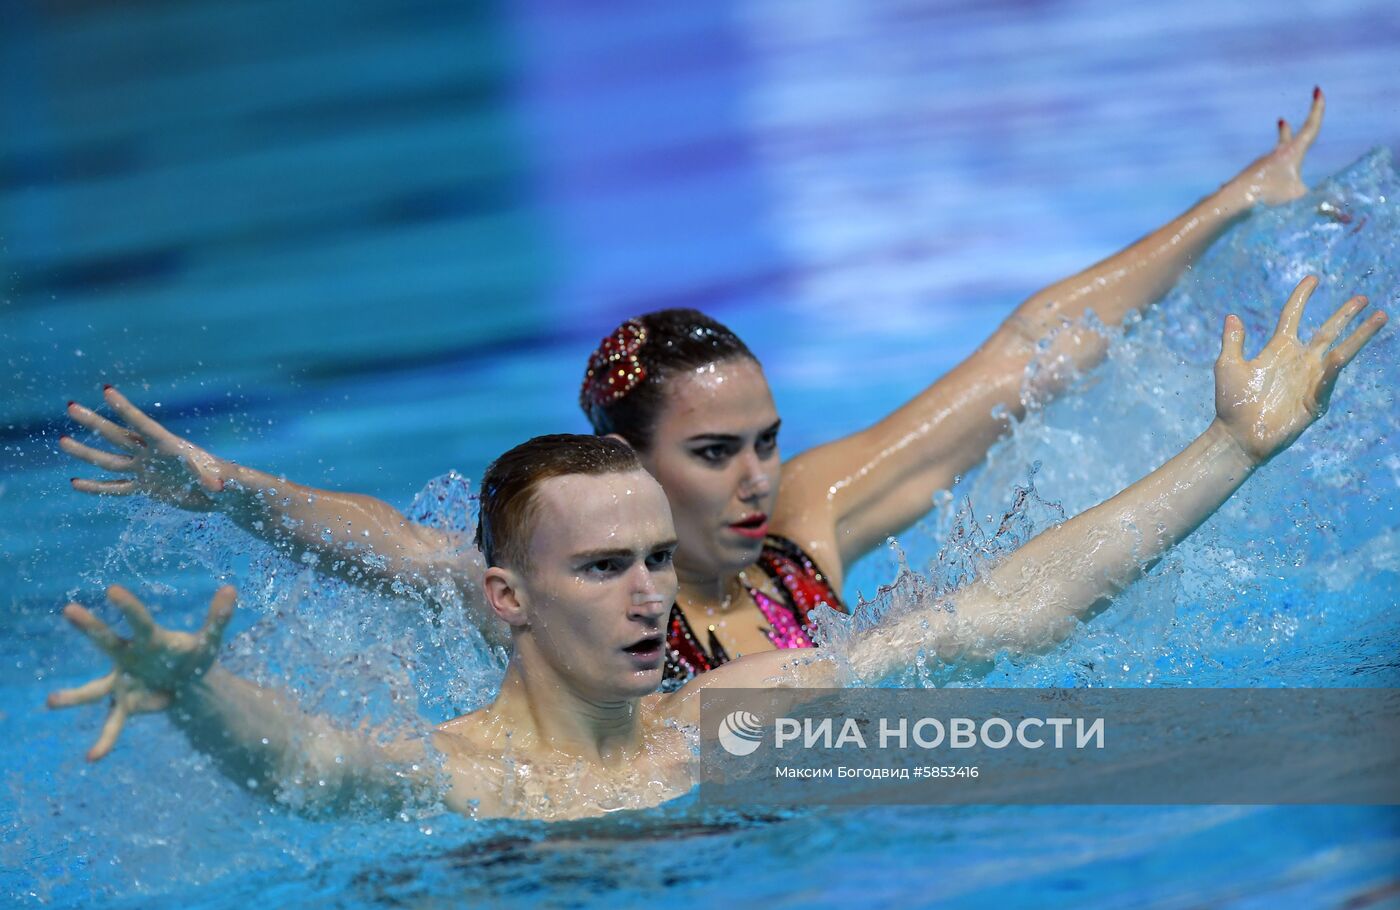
(1035, 598)
(258, 737)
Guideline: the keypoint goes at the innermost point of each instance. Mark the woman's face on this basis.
(715, 452)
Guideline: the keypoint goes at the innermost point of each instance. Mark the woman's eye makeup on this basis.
(714, 453)
(717, 453)
(660, 559)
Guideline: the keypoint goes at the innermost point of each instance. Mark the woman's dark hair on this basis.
(625, 385)
(508, 488)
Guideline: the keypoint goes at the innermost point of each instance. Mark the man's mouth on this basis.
(647, 650)
(753, 526)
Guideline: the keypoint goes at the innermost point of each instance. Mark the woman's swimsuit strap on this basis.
(802, 586)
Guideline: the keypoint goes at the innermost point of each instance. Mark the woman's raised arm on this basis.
(358, 538)
(876, 483)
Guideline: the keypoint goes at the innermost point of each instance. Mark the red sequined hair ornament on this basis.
(614, 369)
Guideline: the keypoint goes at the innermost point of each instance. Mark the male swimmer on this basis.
(578, 543)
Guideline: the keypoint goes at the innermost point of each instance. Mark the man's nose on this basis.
(648, 603)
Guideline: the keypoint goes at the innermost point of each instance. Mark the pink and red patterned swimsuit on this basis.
(803, 588)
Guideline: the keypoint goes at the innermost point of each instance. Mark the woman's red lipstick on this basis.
(753, 526)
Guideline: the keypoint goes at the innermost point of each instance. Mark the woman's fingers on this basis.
(1285, 132)
(135, 612)
(1345, 352)
(104, 487)
(111, 729)
(1309, 130)
(120, 437)
(220, 612)
(95, 629)
(107, 461)
(134, 416)
(85, 694)
(1292, 314)
(1323, 338)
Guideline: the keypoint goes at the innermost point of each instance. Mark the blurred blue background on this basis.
(364, 243)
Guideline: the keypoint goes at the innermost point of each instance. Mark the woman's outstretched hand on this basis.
(148, 668)
(1266, 403)
(1277, 177)
(157, 463)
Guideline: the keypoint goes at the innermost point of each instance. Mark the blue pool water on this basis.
(369, 246)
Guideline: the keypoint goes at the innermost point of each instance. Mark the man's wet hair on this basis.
(507, 489)
(624, 387)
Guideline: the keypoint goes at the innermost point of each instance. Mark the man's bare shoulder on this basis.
(475, 736)
(472, 748)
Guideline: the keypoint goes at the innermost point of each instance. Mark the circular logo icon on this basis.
(741, 733)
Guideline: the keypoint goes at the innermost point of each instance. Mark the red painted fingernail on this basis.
(1317, 92)
(1280, 123)
(71, 403)
(106, 387)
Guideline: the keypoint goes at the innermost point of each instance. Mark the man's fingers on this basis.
(220, 612)
(1345, 352)
(1292, 313)
(1285, 132)
(1232, 339)
(104, 487)
(85, 694)
(94, 628)
(1339, 320)
(134, 416)
(135, 612)
(108, 461)
(120, 437)
(111, 729)
(1309, 130)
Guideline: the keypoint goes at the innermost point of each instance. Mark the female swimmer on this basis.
(761, 544)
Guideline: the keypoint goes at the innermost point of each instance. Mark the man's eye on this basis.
(767, 444)
(603, 567)
(660, 560)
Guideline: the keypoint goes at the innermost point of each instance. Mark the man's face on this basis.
(600, 584)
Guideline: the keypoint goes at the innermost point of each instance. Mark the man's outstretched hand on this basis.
(149, 668)
(1266, 403)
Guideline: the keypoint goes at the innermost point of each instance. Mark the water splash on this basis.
(1292, 581)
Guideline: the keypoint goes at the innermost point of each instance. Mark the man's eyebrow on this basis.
(731, 437)
(594, 555)
(619, 553)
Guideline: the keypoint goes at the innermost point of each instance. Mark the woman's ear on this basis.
(501, 588)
